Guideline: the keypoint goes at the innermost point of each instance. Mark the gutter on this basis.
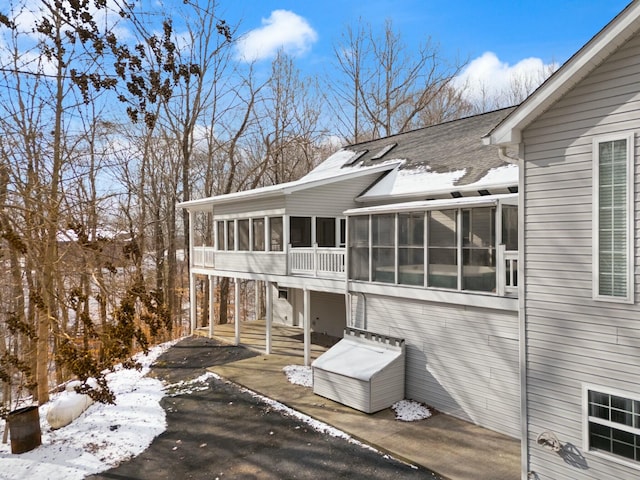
(502, 154)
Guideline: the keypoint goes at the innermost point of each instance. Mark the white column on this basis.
(212, 299)
(307, 327)
(192, 302)
(256, 291)
(193, 312)
(269, 298)
(236, 304)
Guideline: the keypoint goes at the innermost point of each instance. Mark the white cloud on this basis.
(283, 29)
(487, 80)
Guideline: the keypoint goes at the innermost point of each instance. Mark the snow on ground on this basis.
(410, 411)
(103, 436)
(106, 435)
(299, 375)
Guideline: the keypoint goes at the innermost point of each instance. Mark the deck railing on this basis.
(507, 271)
(317, 262)
(203, 257)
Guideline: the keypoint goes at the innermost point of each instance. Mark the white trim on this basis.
(468, 298)
(440, 204)
(281, 189)
(586, 387)
(630, 221)
(274, 212)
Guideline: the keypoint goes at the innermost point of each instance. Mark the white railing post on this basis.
(502, 277)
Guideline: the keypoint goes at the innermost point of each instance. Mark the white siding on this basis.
(328, 200)
(570, 338)
(272, 263)
(249, 207)
(461, 360)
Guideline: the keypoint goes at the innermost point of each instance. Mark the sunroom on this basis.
(467, 244)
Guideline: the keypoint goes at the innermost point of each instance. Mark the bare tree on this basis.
(386, 86)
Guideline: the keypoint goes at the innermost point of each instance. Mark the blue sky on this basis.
(547, 31)
(515, 29)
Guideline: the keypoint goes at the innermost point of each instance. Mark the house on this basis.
(412, 236)
(527, 323)
(578, 137)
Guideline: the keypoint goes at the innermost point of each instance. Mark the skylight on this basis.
(386, 149)
(356, 156)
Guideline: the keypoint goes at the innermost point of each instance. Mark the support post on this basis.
(269, 298)
(307, 327)
(192, 302)
(193, 311)
(212, 298)
(236, 305)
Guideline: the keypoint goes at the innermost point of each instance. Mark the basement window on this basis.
(612, 424)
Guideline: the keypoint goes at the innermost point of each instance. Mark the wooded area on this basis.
(109, 117)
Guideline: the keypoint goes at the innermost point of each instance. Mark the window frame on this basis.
(586, 418)
(630, 214)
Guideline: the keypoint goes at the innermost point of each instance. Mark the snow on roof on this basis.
(422, 180)
(432, 160)
(356, 359)
(327, 171)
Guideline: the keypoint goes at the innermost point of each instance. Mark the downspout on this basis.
(522, 332)
(502, 154)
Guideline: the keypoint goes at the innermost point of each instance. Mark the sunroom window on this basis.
(243, 234)
(300, 231)
(257, 232)
(231, 229)
(478, 249)
(443, 249)
(359, 247)
(220, 235)
(456, 248)
(326, 231)
(275, 234)
(411, 248)
(383, 248)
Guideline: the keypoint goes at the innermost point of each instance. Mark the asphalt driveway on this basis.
(216, 430)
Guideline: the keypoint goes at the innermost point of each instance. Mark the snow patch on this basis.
(101, 437)
(299, 375)
(410, 411)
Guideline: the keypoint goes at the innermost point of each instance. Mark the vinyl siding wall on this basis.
(328, 200)
(461, 360)
(570, 338)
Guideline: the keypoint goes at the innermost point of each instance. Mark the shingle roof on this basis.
(444, 148)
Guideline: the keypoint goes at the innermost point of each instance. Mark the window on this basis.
(510, 227)
(300, 231)
(612, 423)
(383, 248)
(343, 232)
(456, 248)
(231, 228)
(275, 234)
(257, 231)
(243, 234)
(411, 248)
(443, 249)
(326, 231)
(613, 215)
(220, 234)
(359, 248)
(478, 249)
